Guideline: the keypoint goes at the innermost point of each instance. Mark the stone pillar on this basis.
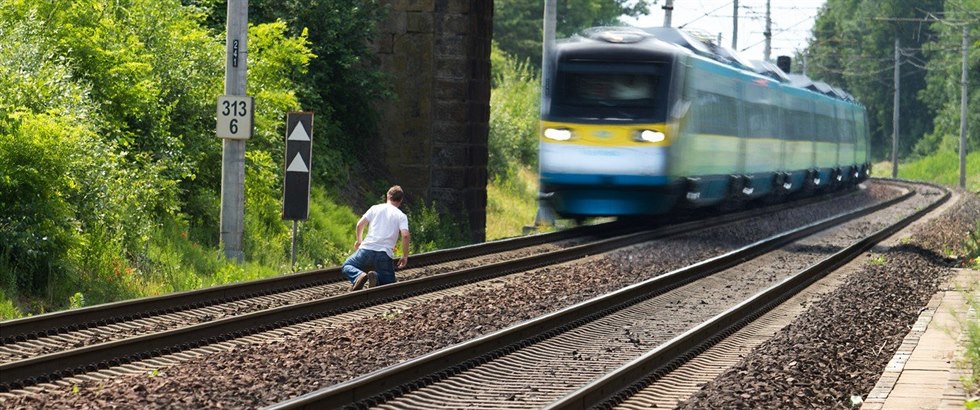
(433, 134)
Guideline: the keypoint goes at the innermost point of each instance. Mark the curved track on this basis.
(42, 349)
(562, 359)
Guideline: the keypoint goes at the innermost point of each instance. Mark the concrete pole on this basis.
(735, 27)
(548, 47)
(233, 150)
(668, 10)
(963, 100)
(545, 215)
(768, 50)
(895, 108)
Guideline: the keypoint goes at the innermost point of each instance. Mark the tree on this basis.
(342, 84)
(517, 24)
(942, 93)
(853, 48)
(107, 133)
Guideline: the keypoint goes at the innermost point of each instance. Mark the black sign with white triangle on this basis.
(299, 151)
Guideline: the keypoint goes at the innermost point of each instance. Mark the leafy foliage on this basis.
(342, 83)
(327, 238)
(107, 151)
(514, 111)
(972, 247)
(511, 203)
(108, 160)
(854, 45)
(517, 24)
(943, 92)
(433, 230)
(38, 224)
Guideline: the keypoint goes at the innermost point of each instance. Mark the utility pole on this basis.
(233, 150)
(768, 33)
(545, 216)
(963, 99)
(668, 10)
(548, 51)
(896, 108)
(735, 27)
(963, 90)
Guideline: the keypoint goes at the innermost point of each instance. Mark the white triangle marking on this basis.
(299, 133)
(297, 165)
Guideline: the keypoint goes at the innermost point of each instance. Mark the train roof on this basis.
(631, 41)
(803, 81)
(704, 45)
(770, 70)
(700, 43)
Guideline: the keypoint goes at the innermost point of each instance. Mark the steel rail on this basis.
(62, 364)
(55, 323)
(395, 380)
(51, 324)
(615, 386)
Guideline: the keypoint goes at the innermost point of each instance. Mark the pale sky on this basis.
(792, 22)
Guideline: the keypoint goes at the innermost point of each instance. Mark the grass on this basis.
(877, 260)
(941, 168)
(173, 261)
(971, 323)
(971, 354)
(511, 204)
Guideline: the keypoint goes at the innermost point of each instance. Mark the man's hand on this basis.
(357, 244)
(403, 262)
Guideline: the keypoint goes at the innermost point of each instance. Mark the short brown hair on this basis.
(395, 193)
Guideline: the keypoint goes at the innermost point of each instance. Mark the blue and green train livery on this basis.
(641, 121)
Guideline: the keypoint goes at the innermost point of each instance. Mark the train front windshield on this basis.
(610, 91)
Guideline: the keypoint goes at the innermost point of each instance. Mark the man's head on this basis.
(395, 195)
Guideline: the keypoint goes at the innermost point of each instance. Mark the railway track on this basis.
(600, 352)
(107, 355)
(47, 348)
(58, 323)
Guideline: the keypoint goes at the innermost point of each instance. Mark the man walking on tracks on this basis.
(373, 261)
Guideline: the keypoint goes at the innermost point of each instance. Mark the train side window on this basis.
(763, 120)
(714, 114)
(803, 124)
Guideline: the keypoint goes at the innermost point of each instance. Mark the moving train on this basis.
(644, 121)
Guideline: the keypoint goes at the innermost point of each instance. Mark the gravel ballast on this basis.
(265, 373)
(840, 347)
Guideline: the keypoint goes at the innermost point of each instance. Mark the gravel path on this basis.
(261, 374)
(839, 347)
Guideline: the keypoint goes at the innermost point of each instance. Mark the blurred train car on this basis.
(642, 121)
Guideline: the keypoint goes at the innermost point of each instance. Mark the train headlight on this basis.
(558, 134)
(651, 136)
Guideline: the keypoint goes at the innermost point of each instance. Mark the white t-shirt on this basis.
(385, 223)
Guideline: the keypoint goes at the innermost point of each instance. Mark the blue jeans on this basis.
(364, 260)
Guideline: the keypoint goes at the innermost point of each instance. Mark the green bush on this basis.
(7, 308)
(514, 117)
(107, 150)
(38, 224)
(327, 238)
(972, 247)
(266, 237)
(433, 230)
